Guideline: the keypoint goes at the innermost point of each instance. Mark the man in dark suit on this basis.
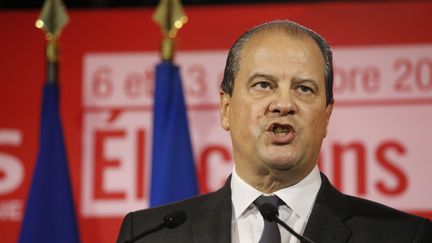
(276, 102)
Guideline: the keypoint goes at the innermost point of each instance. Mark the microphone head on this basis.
(175, 218)
(268, 211)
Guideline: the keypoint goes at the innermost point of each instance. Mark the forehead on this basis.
(281, 50)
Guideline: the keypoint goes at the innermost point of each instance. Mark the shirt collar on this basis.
(242, 194)
(299, 197)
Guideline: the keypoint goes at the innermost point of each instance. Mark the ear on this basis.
(224, 109)
(329, 111)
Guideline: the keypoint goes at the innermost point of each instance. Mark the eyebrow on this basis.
(262, 75)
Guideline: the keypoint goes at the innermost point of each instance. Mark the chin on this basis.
(282, 164)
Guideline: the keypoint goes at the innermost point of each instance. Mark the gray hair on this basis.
(232, 65)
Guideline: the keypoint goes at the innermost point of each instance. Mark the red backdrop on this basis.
(132, 30)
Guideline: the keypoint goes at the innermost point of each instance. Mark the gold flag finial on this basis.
(170, 16)
(52, 19)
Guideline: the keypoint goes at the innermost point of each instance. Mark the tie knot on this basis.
(273, 200)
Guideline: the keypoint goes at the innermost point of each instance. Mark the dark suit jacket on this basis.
(335, 218)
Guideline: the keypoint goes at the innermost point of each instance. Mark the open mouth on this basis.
(280, 129)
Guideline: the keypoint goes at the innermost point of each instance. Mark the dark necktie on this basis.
(271, 232)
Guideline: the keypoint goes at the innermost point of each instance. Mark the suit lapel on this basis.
(326, 223)
(214, 222)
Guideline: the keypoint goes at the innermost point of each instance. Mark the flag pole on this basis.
(50, 212)
(173, 175)
(170, 16)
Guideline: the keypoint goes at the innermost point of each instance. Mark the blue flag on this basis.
(173, 170)
(50, 213)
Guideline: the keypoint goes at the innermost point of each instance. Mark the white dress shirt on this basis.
(247, 223)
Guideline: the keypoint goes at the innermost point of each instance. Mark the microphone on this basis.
(270, 212)
(175, 218)
(171, 220)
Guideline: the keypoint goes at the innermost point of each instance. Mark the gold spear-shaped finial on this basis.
(170, 16)
(52, 19)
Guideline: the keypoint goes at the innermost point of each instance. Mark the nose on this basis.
(283, 104)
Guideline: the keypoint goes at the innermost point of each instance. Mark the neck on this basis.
(268, 180)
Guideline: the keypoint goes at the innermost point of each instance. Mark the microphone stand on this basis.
(303, 239)
(171, 220)
(270, 213)
(147, 232)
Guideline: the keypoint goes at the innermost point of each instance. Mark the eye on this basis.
(305, 89)
(263, 85)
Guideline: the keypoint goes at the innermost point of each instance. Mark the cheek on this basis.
(256, 116)
(319, 126)
(247, 119)
(315, 123)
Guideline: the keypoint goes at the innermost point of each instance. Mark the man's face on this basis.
(277, 114)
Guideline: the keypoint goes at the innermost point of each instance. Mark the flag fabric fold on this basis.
(173, 170)
(50, 213)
